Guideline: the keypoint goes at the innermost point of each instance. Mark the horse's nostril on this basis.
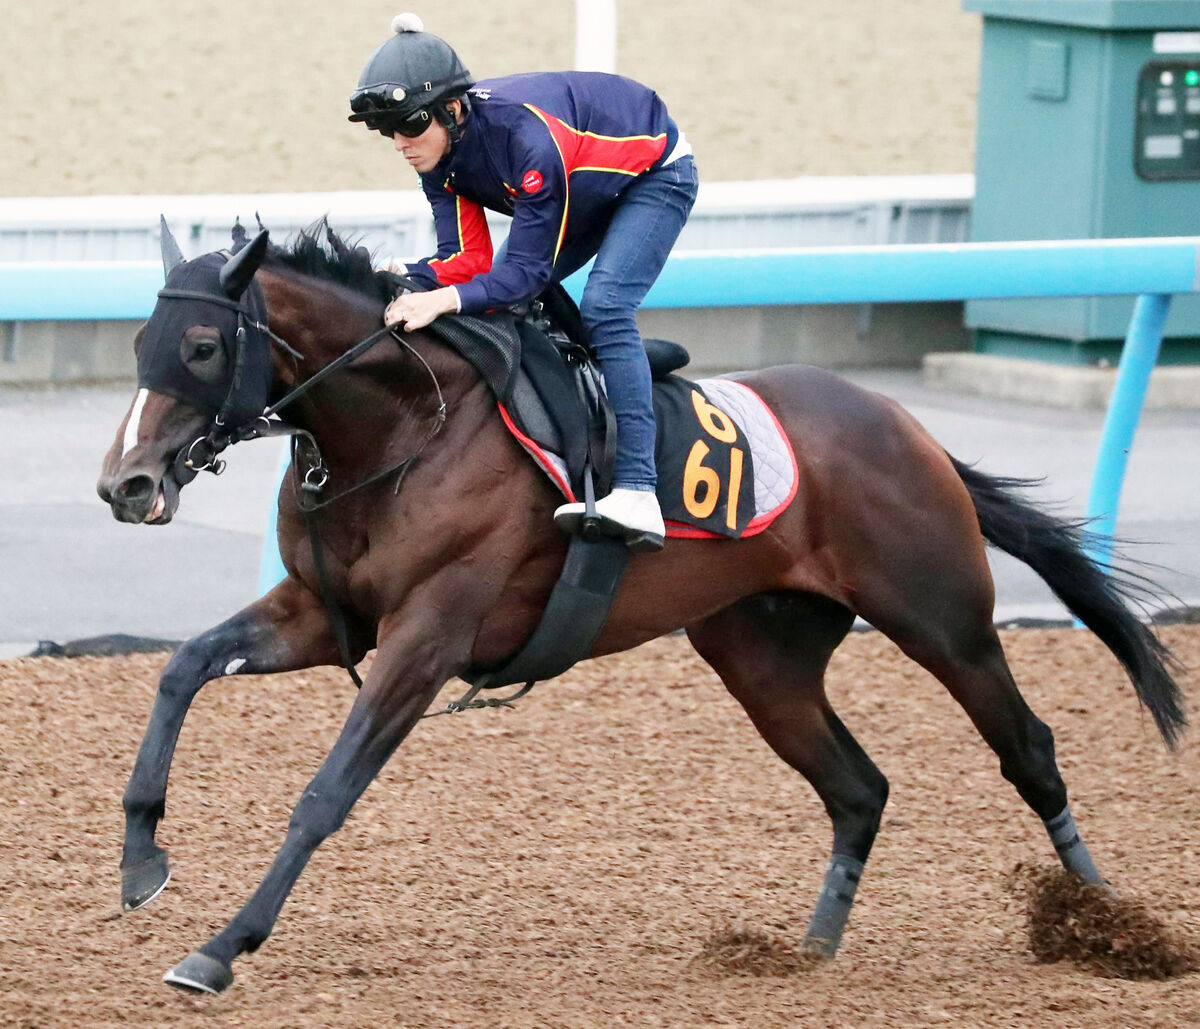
(104, 491)
(138, 487)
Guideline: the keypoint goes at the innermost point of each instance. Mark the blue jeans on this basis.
(630, 252)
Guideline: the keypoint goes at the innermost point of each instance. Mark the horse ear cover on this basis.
(239, 269)
(172, 256)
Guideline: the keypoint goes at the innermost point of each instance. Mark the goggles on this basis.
(396, 124)
(380, 114)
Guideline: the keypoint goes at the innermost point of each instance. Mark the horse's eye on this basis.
(202, 354)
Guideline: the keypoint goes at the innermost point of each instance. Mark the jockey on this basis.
(587, 165)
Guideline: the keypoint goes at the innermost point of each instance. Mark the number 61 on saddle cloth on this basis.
(725, 467)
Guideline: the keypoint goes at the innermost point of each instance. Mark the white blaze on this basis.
(135, 419)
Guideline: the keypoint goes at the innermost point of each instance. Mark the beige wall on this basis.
(141, 96)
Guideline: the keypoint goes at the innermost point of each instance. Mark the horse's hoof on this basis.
(142, 882)
(821, 949)
(200, 973)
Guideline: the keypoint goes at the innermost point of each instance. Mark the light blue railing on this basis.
(1153, 269)
(79, 290)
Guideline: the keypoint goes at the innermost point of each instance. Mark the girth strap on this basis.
(576, 612)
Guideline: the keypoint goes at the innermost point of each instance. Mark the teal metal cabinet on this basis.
(1089, 127)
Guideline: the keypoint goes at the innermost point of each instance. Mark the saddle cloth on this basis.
(725, 466)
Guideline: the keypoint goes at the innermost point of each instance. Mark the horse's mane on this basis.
(320, 252)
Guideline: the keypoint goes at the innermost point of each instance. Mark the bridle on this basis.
(201, 455)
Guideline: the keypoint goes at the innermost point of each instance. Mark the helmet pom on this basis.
(407, 23)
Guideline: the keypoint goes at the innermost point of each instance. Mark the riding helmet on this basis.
(407, 75)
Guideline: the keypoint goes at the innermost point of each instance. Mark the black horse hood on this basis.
(239, 386)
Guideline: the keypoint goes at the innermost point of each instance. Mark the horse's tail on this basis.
(1098, 597)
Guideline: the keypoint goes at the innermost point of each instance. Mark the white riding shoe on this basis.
(631, 514)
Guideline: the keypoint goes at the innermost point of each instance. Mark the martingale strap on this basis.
(302, 441)
(337, 617)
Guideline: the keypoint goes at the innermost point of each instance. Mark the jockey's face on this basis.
(424, 152)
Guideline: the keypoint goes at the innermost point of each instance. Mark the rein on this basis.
(356, 351)
(201, 454)
(316, 475)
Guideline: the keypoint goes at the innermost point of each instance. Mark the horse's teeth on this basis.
(160, 505)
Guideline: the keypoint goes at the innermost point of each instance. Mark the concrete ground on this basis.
(71, 571)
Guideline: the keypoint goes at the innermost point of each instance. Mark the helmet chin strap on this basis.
(448, 121)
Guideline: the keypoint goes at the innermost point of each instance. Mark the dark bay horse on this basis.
(451, 571)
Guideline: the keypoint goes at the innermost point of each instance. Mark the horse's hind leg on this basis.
(771, 651)
(978, 677)
(286, 629)
(935, 602)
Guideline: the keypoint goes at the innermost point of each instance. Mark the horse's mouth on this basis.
(141, 501)
(166, 502)
(159, 508)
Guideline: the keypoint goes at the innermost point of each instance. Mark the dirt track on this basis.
(567, 863)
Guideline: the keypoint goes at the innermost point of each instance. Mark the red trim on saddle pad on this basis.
(538, 454)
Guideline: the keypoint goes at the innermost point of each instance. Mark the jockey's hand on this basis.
(416, 310)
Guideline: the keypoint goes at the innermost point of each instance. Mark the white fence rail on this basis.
(768, 214)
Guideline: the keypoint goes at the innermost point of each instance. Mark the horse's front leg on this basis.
(410, 667)
(287, 629)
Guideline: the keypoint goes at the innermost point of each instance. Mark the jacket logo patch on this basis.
(531, 181)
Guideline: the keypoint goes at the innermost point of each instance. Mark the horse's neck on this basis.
(319, 320)
(388, 393)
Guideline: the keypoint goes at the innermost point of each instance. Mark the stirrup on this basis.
(585, 520)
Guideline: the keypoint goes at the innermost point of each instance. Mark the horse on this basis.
(448, 569)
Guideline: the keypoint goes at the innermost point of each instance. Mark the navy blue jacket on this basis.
(552, 149)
